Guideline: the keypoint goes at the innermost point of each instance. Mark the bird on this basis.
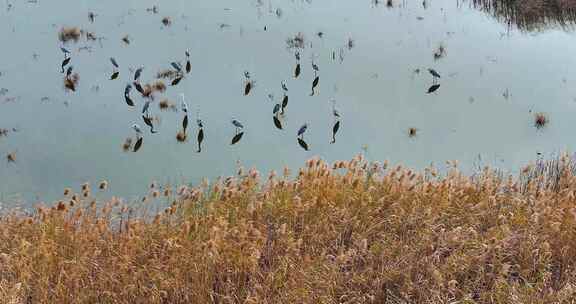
(433, 88)
(315, 67)
(200, 137)
(434, 73)
(276, 108)
(114, 63)
(284, 87)
(284, 102)
(335, 129)
(335, 112)
(176, 66)
(315, 84)
(145, 107)
(65, 62)
(297, 70)
(302, 130)
(138, 73)
(65, 51)
(184, 105)
(137, 129)
(237, 124)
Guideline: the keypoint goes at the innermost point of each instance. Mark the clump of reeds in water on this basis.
(67, 34)
(181, 136)
(167, 74)
(351, 231)
(531, 15)
(440, 52)
(71, 82)
(540, 120)
(159, 86)
(296, 42)
(166, 104)
(127, 145)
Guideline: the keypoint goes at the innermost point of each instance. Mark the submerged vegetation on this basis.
(531, 15)
(351, 232)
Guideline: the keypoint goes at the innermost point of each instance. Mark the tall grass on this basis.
(531, 15)
(350, 232)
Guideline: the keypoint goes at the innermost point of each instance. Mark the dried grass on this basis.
(350, 232)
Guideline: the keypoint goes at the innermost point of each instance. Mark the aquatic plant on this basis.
(530, 15)
(181, 136)
(347, 232)
(67, 34)
(440, 52)
(540, 120)
(296, 42)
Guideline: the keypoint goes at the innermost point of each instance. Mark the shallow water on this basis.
(377, 93)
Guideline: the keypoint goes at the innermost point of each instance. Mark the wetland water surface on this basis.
(372, 60)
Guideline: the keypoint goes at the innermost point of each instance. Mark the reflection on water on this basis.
(531, 15)
(408, 81)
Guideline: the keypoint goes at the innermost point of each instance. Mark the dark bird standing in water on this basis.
(138, 131)
(302, 130)
(297, 70)
(127, 95)
(65, 51)
(65, 62)
(237, 124)
(138, 73)
(138, 87)
(116, 72)
(284, 87)
(303, 144)
(284, 103)
(433, 88)
(176, 66)
(247, 88)
(276, 109)
(188, 64)
(176, 81)
(277, 122)
(114, 63)
(200, 136)
(69, 71)
(237, 138)
(434, 73)
(138, 144)
(145, 107)
(315, 84)
(185, 123)
(148, 121)
(335, 129)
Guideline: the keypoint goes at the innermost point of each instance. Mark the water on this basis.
(377, 92)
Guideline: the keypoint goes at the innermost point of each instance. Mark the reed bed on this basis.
(531, 15)
(349, 232)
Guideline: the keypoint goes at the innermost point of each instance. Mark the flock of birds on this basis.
(179, 73)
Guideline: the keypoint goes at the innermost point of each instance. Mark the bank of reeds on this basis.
(531, 15)
(350, 232)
